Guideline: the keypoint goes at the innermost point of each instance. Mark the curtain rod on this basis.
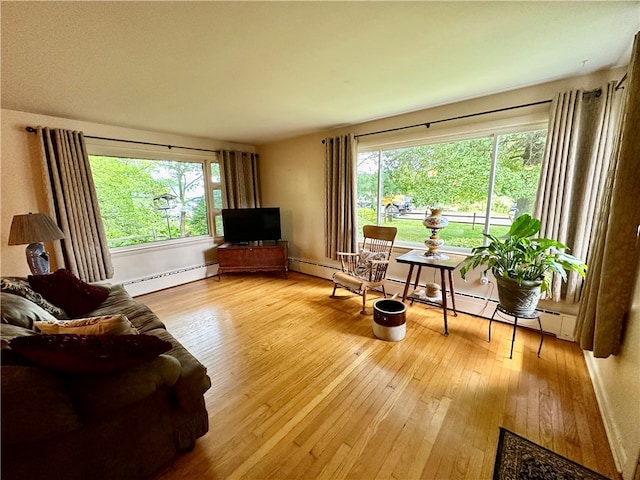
(33, 130)
(428, 124)
(597, 92)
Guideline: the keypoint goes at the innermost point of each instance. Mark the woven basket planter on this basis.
(520, 300)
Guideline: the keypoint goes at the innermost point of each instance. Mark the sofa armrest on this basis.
(98, 395)
(35, 405)
(193, 381)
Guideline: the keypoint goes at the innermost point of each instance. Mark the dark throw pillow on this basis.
(65, 290)
(89, 354)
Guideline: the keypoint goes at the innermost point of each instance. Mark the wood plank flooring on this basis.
(303, 390)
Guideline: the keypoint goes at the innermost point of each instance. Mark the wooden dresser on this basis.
(255, 257)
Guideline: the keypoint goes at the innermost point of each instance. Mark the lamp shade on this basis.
(33, 228)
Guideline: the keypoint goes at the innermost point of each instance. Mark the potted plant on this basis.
(522, 265)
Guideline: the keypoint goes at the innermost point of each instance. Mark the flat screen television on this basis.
(244, 225)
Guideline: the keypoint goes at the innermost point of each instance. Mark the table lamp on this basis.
(34, 228)
(434, 221)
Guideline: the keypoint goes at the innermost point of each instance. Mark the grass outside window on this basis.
(456, 234)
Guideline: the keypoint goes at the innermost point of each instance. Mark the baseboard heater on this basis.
(171, 278)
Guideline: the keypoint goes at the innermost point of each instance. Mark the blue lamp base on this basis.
(37, 259)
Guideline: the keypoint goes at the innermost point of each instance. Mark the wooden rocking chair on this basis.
(366, 269)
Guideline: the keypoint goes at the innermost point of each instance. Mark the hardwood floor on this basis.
(302, 389)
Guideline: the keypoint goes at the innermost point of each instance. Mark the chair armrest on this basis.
(348, 261)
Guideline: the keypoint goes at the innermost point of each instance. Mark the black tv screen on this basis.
(244, 225)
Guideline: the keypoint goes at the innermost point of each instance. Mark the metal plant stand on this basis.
(535, 315)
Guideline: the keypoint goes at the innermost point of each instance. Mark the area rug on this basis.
(520, 459)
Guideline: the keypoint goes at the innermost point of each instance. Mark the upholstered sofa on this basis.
(66, 417)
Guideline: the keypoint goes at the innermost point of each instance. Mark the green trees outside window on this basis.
(144, 201)
(493, 177)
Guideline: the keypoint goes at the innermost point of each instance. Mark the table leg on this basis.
(453, 294)
(443, 288)
(407, 283)
(417, 282)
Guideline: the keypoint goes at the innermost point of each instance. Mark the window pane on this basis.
(517, 174)
(452, 175)
(217, 198)
(368, 203)
(397, 187)
(217, 212)
(215, 172)
(144, 201)
(218, 225)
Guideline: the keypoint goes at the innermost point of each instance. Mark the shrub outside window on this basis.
(481, 183)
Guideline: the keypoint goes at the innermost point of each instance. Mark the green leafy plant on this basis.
(522, 257)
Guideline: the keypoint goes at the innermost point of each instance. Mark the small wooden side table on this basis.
(535, 314)
(418, 257)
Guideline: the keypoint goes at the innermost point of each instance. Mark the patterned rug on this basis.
(521, 459)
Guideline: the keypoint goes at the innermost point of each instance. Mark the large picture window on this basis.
(481, 183)
(143, 201)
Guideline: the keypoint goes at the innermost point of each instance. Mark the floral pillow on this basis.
(363, 267)
(20, 286)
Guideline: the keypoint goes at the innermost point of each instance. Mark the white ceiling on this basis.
(254, 72)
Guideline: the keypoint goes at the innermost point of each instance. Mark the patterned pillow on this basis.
(105, 325)
(363, 267)
(89, 354)
(65, 290)
(20, 286)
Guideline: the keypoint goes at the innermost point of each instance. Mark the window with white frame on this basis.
(482, 183)
(145, 200)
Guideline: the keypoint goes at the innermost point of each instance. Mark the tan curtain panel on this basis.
(579, 148)
(613, 263)
(239, 171)
(72, 200)
(340, 195)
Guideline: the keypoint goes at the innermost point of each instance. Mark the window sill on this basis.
(163, 245)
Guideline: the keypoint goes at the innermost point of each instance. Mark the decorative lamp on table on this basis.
(434, 221)
(33, 229)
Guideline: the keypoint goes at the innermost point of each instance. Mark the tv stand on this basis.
(263, 256)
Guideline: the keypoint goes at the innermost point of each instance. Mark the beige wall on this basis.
(22, 187)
